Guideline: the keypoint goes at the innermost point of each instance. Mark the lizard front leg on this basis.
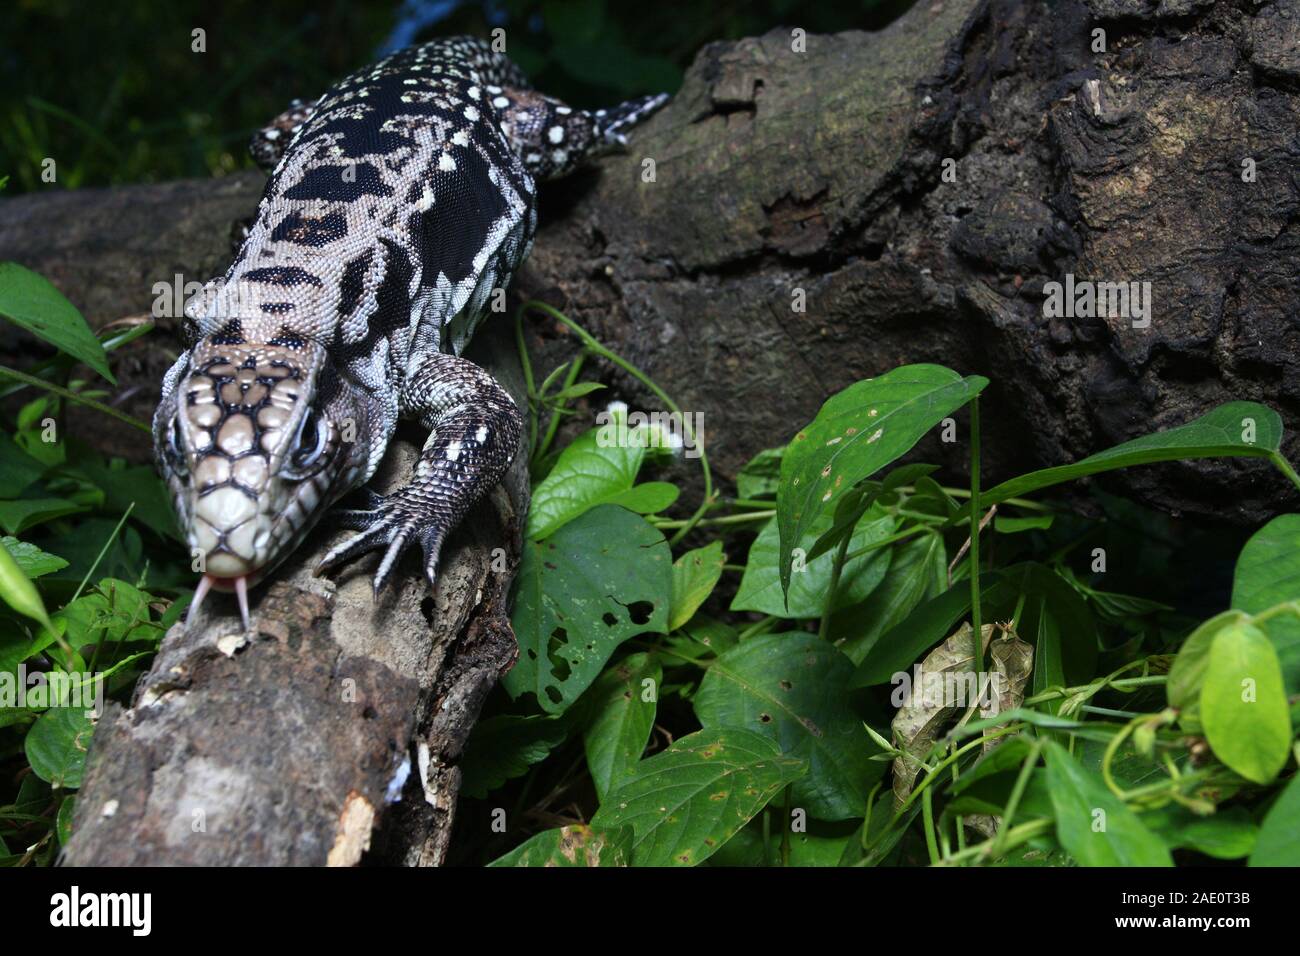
(474, 431)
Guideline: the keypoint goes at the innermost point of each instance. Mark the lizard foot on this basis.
(390, 524)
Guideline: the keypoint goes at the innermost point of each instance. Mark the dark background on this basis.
(113, 92)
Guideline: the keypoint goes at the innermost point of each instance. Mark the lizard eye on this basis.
(310, 443)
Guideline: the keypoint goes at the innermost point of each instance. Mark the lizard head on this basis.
(255, 442)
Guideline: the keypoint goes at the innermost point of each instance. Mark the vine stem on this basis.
(597, 348)
(72, 396)
(553, 424)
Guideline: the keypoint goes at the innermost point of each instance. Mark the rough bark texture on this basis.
(776, 173)
(823, 171)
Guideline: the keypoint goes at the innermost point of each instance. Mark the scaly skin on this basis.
(398, 202)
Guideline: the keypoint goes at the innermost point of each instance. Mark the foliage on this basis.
(744, 717)
(91, 574)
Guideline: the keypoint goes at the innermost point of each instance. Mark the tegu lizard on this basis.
(397, 203)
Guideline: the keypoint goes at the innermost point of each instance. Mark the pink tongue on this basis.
(205, 585)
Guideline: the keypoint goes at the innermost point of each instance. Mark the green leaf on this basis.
(917, 572)
(695, 575)
(32, 560)
(821, 844)
(647, 498)
(761, 475)
(857, 432)
(1279, 836)
(17, 468)
(853, 506)
(1094, 825)
(56, 746)
(19, 515)
(927, 625)
(599, 580)
(504, 746)
(624, 717)
(1187, 673)
(1226, 835)
(1219, 433)
(31, 302)
(592, 470)
(17, 589)
(686, 802)
(793, 688)
(139, 486)
(1005, 524)
(577, 390)
(1243, 703)
(577, 845)
(1061, 626)
(63, 821)
(1268, 574)
(805, 596)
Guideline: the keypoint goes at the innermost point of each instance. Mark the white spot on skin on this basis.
(446, 163)
(563, 110)
(555, 134)
(460, 138)
(500, 102)
(559, 156)
(473, 92)
(272, 134)
(471, 114)
(480, 436)
(453, 451)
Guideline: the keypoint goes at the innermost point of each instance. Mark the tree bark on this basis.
(797, 218)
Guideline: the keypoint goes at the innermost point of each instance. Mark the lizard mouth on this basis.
(238, 584)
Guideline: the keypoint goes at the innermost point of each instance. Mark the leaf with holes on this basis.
(857, 432)
(793, 688)
(602, 578)
(686, 802)
(626, 698)
(577, 845)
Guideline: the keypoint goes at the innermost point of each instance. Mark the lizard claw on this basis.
(391, 526)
